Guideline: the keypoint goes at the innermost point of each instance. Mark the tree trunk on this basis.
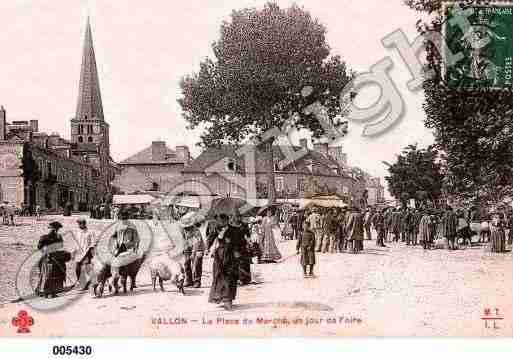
(271, 190)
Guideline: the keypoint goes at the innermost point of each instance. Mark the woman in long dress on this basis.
(270, 252)
(52, 266)
(497, 236)
(425, 231)
(244, 250)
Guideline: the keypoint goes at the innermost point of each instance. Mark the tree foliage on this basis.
(473, 127)
(417, 173)
(262, 61)
(424, 5)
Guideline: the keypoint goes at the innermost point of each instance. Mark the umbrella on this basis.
(229, 206)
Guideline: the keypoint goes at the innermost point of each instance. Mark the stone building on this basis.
(47, 170)
(375, 190)
(225, 172)
(155, 168)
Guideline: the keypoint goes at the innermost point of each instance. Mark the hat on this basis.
(55, 225)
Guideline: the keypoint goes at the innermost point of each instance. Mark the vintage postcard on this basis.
(256, 169)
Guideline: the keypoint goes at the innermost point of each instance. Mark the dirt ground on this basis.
(392, 291)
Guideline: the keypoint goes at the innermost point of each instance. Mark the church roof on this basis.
(89, 96)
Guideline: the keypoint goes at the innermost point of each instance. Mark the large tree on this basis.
(263, 62)
(417, 173)
(472, 126)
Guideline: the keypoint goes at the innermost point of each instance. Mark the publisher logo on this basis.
(23, 321)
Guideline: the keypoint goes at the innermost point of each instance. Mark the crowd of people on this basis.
(233, 241)
(345, 229)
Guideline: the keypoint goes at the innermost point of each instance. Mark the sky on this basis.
(143, 50)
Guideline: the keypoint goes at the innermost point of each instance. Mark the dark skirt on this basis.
(498, 240)
(52, 276)
(225, 275)
(307, 256)
(245, 269)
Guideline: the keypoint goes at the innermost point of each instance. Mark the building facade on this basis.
(223, 171)
(47, 170)
(156, 168)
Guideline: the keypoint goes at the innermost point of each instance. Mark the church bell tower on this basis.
(88, 129)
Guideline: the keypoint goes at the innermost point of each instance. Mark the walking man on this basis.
(194, 249)
(354, 229)
(306, 247)
(316, 226)
(378, 221)
(449, 228)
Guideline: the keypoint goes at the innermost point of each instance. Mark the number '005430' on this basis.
(72, 350)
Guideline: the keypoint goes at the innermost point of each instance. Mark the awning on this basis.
(324, 201)
(132, 199)
(183, 201)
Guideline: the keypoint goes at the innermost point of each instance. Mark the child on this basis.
(306, 247)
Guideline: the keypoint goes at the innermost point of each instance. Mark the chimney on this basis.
(183, 152)
(158, 151)
(34, 125)
(3, 123)
(321, 148)
(303, 143)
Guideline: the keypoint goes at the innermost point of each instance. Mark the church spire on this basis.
(89, 104)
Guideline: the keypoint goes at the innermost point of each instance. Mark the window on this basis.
(89, 129)
(80, 129)
(80, 139)
(155, 186)
(233, 187)
(301, 184)
(89, 139)
(49, 167)
(276, 166)
(279, 184)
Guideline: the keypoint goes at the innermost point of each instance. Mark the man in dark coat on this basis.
(449, 228)
(409, 226)
(341, 231)
(354, 230)
(378, 221)
(396, 225)
(226, 255)
(68, 207)
(306, 247)
(193, 253)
